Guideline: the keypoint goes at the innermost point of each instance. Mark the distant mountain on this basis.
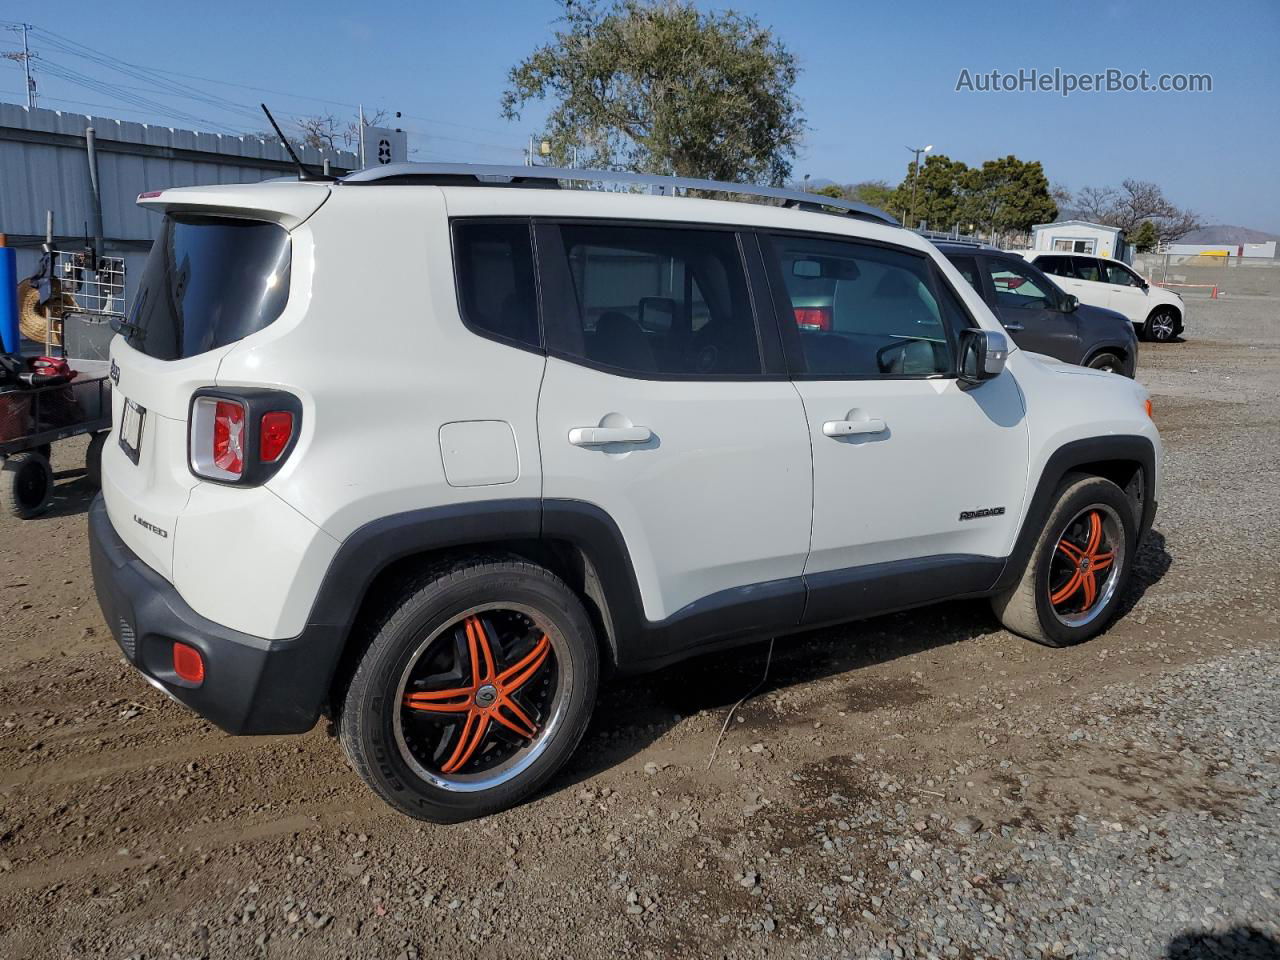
(1228, 234)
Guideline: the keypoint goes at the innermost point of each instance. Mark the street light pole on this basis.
(915, 176)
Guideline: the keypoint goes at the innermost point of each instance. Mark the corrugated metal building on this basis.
(44, 166)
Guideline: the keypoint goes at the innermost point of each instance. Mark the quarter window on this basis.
(496, 289)
(864, 310)
(659, 300)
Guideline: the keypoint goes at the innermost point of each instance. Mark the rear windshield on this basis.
(208, 282)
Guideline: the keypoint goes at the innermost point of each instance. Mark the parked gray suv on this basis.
(1040, 316)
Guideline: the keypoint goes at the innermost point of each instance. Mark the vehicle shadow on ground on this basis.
(72, 494)
(1239, 943)
(1152, 563)
(633, 712)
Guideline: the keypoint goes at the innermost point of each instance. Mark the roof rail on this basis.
(496, 175)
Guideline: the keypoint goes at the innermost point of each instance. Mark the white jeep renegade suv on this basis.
(430, 448)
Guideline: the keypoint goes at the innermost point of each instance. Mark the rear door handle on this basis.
(598, 436)
(1014, 325)
(847, 428)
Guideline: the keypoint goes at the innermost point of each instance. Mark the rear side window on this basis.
(659, 300)
(208, 282)
(1086, 268)
(1058, 266)
(863, 310)
(496, 289)
(968, 268)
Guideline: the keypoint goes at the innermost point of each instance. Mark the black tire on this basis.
(379, 731)
(26, 484)
(1106, 360)
(1027, 608)
(93, 458)
(1162, 326)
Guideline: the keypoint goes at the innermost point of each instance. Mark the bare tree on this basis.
(328, 133)
(1133, 203)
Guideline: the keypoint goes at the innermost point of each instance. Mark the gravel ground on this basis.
(921, 785)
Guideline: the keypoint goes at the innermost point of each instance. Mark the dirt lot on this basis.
(924, 784)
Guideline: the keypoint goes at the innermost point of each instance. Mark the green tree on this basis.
(833, 190)
(1007, 195)
(938, 193)
(1146, 237)
(660, 87)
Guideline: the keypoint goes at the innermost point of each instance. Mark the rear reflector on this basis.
(276, 432)
(188, 664)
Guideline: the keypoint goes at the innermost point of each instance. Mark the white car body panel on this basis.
(720, 498)
(404, 408)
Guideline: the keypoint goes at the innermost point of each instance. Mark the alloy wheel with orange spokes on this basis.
(1085, 567)
(480, 697)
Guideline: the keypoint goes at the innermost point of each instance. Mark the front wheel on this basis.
(1071, 587)
(476, 686)
(1107, 361)
(1162, 326)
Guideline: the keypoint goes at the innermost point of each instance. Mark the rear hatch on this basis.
(218, 271)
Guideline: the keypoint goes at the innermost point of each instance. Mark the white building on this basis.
(1080, 236)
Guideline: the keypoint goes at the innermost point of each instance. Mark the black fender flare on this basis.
(1086, 455)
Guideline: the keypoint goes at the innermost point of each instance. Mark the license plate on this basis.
(131, 429)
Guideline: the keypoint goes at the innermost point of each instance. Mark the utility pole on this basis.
(915, 175)
(25, 59)
(361, 108)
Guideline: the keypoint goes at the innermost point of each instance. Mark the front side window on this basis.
(208, 282)
(1120, 276)
(668, 301)
(864, 310)
(496, 289)
(1016, 286)
(1087, 269)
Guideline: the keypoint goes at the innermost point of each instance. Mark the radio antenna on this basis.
(304, 172)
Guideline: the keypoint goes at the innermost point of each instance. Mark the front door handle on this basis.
(1014, 326)
(848, 428)
(598, 436)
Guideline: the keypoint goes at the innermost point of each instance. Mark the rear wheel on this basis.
(1162, 326)
(1072, 584)
(1107, 361)
(475, 688)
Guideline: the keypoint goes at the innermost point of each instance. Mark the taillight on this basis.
(274, 435)
(241, 436)
(228, 437)
(813, 318)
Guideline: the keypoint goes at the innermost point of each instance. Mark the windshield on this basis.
(208, 282)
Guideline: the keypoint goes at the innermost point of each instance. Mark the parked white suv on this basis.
(429, 449)
(1159, 314)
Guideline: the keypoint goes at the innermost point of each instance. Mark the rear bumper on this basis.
(251, 685)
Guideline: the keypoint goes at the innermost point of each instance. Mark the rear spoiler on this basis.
(288, 203)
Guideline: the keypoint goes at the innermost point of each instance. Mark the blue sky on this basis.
(876, 77)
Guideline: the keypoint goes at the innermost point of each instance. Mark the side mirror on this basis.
(982, 355)
(1070, 303)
